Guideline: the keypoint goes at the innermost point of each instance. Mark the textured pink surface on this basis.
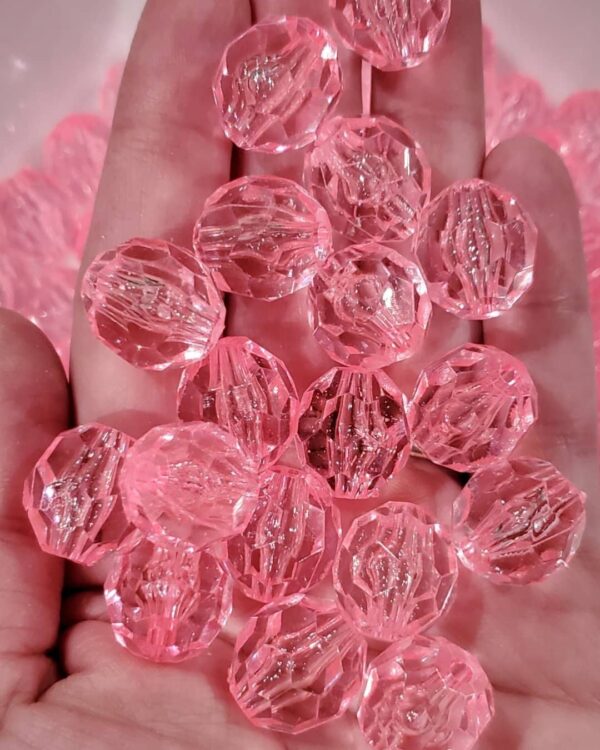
(153, 304)
(395, 572)
(189, 483)
(74, 155)
(289, 544)
(245, 390)
(296, 665)
(276, 83)
(72, 496)
(370, 175)
(262, 237)
(518, 521)
(167, 602)
(391, 35)
(425, 695)
(353, 430)
(477, 248)
(369, 306)
(471, 407)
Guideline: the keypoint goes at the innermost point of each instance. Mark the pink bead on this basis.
(167, 602)
(391, 35)
(369, 306)
(245, 390)
(425, 695)
(520, 108)
(370, 175)
(471, 408)
(262, 237)
(290, 542)
(74, 156)
(477, 248)
(72, 496)
(297, 664)
(189, 483)
(353, 430)
(578, 123)
(153, 304)
(395, 572)
(276, 83)
(518, 521)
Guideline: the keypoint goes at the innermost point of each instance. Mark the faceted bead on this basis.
(72, 496)
(262, 237)
(291, 540)
(518, 521)
(276, 83)
(189, 483)
(153, 304)
(471, 408)
(578, 123)
(391, 35)
(369, 306)
(245, 390)
(353, 430)
(395, 572)
(477, 249)
(425, 695)
(297, 664)
(370, 175)
(167, 602)
(74, 156)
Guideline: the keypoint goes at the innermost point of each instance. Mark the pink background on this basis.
(55, 53)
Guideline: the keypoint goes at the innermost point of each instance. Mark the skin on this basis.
(64, 683)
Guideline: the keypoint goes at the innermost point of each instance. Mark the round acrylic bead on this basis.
(289, 544)
(167, 602)
(153, 304)
(518, 521)
(477, 248)
(389, 34)
(427, 694)
(72, 497)
(353, 430)
(369, 306)
(370, 175)
(297, 664)
(276, 83)
(262, 237)
(189, 482)
(245, 390)
(395, 572)
(471, 408)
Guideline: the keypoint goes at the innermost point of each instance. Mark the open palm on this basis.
(64, 683)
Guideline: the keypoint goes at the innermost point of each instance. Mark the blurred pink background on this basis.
(54, 55)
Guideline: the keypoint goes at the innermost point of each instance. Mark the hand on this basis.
(64, 683)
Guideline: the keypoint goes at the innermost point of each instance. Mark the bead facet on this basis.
(477, 247)
(72, 496)
(353, 430)
(289, 544)
(425, 695)
(471, 408)
(391, 35)
(371, 177)
(276, 83)
(518, 521)
(153, 304)
(167, 602)
(189, 483)
(395, 572)
(297, 664)
(369, 306)
(262, 237)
